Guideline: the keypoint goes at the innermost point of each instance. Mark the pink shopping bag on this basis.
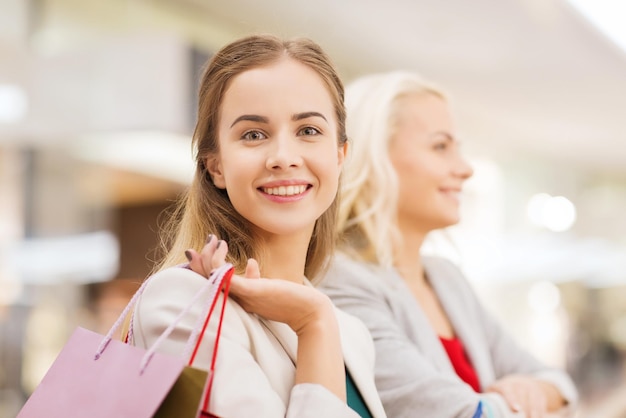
(96, 376)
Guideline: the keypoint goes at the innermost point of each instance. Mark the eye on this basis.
(253, 136)
(309, 131)
(441, 146)
(442, 142)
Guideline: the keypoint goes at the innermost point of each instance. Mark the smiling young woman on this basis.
(270, 144)
(277, 131)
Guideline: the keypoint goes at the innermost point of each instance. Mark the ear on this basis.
(214, 167)
(342, 153)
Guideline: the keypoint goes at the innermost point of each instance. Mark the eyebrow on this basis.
(252, 118)
(445, 134)
(305, 115)
(263, 119)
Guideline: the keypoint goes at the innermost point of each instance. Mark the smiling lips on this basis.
(291, 190)
(452, 193)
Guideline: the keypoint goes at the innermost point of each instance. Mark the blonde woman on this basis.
(438, 353)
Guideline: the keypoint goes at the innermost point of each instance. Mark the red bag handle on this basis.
(225, 286)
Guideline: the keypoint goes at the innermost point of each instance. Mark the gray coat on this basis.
(414, 375)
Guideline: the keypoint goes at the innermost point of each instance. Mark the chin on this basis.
(447, 221)
(452, 222)
(284, 228)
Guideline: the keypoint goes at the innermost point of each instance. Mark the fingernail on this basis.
(188, 255)
(517, 407)
(218, 244)
(209, 238)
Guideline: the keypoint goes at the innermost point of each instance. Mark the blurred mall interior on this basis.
(97, 105)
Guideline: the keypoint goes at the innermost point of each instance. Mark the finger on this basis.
(537, 403)
(195, 262)
(219, 256)
(523, 397)
(514, 402)
(252, 269)
(519, 399)
(503, 390)
(207, 254)
(516, 406)
(531, 399)
(529, 408)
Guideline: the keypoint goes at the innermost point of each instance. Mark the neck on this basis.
(285, 256)
(408, 261)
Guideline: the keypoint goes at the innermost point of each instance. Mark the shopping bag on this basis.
(184, 397)
(97, 376)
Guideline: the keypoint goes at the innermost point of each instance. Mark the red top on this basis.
(461, 362)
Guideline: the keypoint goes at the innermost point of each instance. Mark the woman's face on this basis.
(430, 169)
(278, 159)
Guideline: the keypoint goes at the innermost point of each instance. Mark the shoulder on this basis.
(169, 290)
(174, 282)
(449, 282)
(175, 288)
(344, 271)
(343, 264)
(172, 290)
(442, 269)
(441, 264)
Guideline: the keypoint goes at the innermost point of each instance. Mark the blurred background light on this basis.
(160, 154)
(607, 16)
(85, 258)
(535, 208)
(544, 297)
(556, 213)
(13, 103)
(559, 214)
(10, 290)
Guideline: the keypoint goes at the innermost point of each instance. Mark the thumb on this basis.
(252, 269)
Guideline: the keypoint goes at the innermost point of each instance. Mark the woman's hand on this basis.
(296, 305)
(524, 393)
(304, 309)
(212, 256)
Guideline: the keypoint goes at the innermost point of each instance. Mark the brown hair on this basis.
(206, 209)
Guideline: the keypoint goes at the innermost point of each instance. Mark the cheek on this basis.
(238, 164)
(328, 172)
(416, 182)
(409, 169)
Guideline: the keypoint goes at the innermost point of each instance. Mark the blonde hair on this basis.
(206, 209)
(367, 223)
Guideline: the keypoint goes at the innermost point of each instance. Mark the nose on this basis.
(462, 168)
(283, 153)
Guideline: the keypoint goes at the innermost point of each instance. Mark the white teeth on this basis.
(285, 190)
